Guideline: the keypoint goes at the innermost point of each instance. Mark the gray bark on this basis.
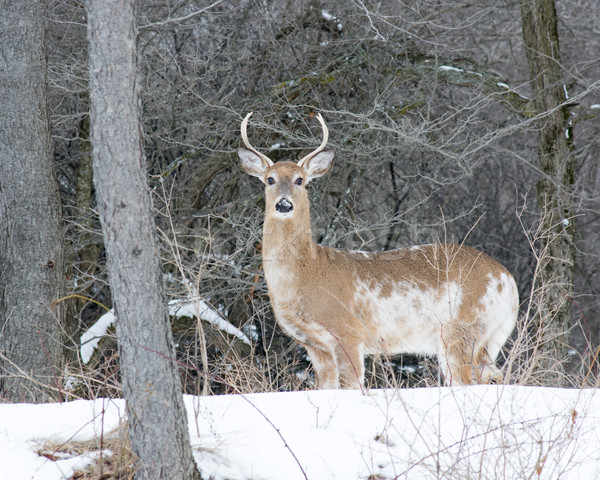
(87, 255)
(31, 236)
(151, 384)
(555, 190)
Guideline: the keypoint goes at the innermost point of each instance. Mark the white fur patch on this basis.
(362, 254)
(280, 279)
(409, 319)
(500, 306)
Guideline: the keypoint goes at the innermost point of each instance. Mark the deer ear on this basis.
(319, 165)
(253, 164)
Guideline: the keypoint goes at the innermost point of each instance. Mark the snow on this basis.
(499, 432)
(276, 146)
(24, 428)
(177, 308)
(446, 68)
(91, 337)
(199, 308)
(332, 18)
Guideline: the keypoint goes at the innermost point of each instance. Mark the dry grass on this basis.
(114, 459)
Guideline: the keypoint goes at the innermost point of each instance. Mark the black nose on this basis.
(284, 206)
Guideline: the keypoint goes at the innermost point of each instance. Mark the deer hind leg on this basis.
(488, 352)
(455, 354)
(485, 369)
(325, 365)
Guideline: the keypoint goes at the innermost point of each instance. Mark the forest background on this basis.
(439, 135)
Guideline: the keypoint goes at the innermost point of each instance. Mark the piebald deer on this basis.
(444, 299)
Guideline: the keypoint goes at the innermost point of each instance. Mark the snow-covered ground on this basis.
(489, 432)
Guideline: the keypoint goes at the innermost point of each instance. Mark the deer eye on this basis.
(270, 181)
(299, 181)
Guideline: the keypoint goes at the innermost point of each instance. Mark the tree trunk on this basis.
(31, 234)
(156, 413)
(87, 255)
(555, 187)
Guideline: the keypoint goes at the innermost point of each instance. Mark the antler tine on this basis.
(323, 143)
(247, 142)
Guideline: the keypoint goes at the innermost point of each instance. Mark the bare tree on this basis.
(151, 384)
(555, 186)
(31, 243)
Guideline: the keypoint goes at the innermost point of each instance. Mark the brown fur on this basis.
(340, 305)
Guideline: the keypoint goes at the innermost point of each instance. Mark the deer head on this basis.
(285, 181)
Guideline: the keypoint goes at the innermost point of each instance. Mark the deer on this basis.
(443, 299)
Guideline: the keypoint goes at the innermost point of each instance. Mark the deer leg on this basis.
(325, 366)
(351, 364)
(455, 355)
(486, 351)
(489, 353)
(485, 369)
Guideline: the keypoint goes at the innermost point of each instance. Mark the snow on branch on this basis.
(332, 18)
(200, 309)
(177, 308)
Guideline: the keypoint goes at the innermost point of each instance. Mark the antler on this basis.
(307, 158)
(247, 143)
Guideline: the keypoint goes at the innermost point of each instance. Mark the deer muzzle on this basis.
(284, 206)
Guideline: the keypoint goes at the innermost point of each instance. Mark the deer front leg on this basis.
(325, 366)
(351, 364)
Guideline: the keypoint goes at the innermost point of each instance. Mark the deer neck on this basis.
(288, 239)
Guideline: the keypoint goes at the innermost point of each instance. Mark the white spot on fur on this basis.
(418, 248)
(280, 278)
(410, 318)
(500, 306)
(363, 254)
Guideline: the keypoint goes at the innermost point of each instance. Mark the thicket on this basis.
(429, 111)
